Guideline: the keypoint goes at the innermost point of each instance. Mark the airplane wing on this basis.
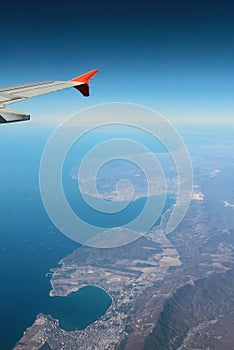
(17, 93)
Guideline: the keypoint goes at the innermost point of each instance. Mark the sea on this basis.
(30, 245)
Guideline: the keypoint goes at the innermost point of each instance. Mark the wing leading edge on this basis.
(17, 93)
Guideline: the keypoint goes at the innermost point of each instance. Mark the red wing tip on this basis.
(84, 78)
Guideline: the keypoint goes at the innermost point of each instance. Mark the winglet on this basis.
(83, 82)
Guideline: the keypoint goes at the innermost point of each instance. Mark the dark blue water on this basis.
(30, 245)
(79, 309)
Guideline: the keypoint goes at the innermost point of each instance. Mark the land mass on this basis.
(168, 292)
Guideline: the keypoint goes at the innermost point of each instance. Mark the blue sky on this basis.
(174, 56)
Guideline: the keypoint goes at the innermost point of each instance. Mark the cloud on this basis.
(198, 196)
(215, 172)
(227, 204)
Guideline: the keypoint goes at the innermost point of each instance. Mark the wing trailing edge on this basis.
(8, 115)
